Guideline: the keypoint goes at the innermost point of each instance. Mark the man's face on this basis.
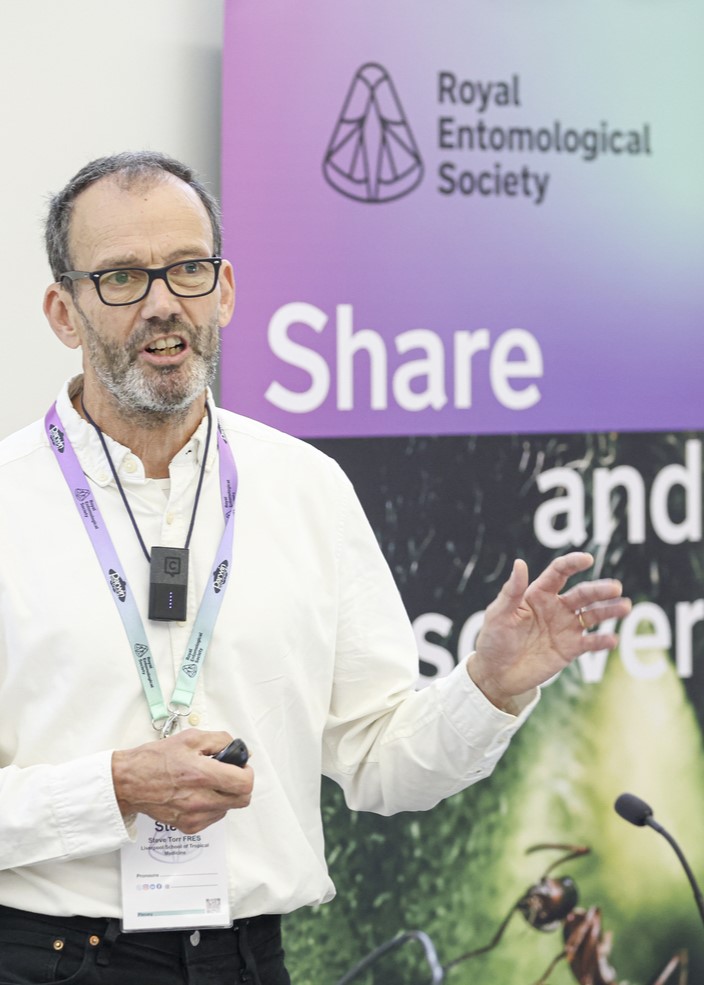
(155, 357)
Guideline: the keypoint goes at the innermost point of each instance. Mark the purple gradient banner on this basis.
(481, 220)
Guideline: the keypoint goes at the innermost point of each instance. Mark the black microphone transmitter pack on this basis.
(168, 583)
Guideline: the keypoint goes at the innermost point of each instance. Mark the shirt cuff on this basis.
(473, 715)
(85, 808)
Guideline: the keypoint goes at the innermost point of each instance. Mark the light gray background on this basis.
(79, 79)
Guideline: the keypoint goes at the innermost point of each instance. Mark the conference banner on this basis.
(468, 241)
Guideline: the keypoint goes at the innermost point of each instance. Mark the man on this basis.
(173, 575)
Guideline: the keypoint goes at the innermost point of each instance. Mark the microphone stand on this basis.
(651, 822)
(636, 811)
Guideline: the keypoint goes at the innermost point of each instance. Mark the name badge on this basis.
(174, 881)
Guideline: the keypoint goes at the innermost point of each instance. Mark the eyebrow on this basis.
(132, 260)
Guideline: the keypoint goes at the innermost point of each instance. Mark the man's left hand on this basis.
(531, 631)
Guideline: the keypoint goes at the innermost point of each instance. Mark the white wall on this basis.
(80, 79)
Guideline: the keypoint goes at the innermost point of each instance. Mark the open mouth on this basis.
(169, 346)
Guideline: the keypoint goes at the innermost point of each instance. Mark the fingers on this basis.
(518, 580)
(206, 743)
(196, 809)
(190, 825)
(591, 642)
(559, 571)
(175, 778)
(591, 616)
(514, 589)
(587, 594)
(224, 787)
(594, 601)
(552, 580)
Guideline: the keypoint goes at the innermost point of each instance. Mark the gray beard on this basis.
(151, 399)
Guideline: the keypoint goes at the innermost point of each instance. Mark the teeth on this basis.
(168, 343)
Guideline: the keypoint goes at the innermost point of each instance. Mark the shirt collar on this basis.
(89, 450)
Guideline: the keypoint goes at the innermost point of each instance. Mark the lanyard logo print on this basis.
(118, 585)
(220, 577)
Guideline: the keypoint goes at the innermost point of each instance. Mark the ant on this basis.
(551, 902)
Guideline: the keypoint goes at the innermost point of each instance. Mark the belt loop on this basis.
(248, 967)
(112, 932)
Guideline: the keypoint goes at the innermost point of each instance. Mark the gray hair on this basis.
(131, 167)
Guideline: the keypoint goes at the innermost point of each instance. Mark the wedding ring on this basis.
(581, 620)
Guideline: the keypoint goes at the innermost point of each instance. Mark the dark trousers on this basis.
(42, 950)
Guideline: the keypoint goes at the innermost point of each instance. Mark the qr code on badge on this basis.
(213, 905)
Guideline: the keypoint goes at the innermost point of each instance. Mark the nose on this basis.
(159, 302)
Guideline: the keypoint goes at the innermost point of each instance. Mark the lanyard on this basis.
(163, 716)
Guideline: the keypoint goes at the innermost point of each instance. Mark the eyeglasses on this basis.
(127, 285)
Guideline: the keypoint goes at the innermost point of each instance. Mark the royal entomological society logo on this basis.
(491, 138)
(372, 155)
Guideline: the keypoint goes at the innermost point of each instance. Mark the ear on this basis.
(226, 305)
(60, 313)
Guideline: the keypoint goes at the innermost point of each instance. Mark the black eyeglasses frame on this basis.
(153, 273)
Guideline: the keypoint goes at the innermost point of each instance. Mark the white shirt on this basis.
(312, 662)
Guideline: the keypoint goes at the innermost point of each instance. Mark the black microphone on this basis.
(636, 811)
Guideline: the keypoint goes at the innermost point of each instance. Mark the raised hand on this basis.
(531, 631)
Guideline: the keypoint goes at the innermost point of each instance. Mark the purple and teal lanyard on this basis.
(164, 717)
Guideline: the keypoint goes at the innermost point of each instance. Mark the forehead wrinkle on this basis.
(128, 260)
(138, 224)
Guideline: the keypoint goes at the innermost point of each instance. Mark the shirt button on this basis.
(169, 518)
(102, 477)
(193, 718)
(130, 465)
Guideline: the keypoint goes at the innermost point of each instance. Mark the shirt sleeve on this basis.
(390, 747)
(59, 811)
